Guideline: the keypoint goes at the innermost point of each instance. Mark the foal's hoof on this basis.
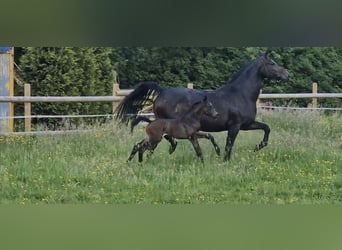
(172, 148)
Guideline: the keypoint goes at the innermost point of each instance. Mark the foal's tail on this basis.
(142, 95)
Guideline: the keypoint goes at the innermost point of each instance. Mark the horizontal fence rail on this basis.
(119, 94)
(59, 99)
(300, 95)
(271, 107)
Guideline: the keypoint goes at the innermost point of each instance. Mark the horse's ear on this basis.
(264, 54)
(205, 98)
(267, 53)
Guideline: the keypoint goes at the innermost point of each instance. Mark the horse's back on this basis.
(171, 103)
(181, 94)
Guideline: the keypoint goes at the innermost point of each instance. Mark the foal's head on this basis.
(271, 70)
(204, 107)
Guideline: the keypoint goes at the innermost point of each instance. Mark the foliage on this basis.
(302, 165)
(67, 72)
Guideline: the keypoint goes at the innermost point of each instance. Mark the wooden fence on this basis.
(119, 94)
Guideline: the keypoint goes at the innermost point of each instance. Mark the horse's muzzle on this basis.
(284, 78)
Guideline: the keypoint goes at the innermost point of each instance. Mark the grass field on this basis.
(302, 164)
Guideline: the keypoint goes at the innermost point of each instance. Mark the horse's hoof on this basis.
(260, 146)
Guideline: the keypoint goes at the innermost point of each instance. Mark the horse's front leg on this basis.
(208, 136)
(196, 146)
(259, 125)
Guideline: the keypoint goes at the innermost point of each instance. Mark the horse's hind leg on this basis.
(197, 147)
(232, 134)
(211, 138)
(173, 143)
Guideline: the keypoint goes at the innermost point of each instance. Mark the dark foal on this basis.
(184, 127)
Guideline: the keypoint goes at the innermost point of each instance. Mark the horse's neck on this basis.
(249, 82)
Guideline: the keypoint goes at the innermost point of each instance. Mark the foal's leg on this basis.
(197, 147)
(259, 125)
(173, 143)
(151, 148)
(145, 145)
(232, 134)
(135, 149)
(211, 138)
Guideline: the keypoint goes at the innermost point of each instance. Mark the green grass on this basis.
(302, 164)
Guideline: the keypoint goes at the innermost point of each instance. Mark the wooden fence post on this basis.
(116, 88)
(314, 91)
(11, 90)
(190, 85)
(27, 108)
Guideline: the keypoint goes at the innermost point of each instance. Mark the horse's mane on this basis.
(236, 75)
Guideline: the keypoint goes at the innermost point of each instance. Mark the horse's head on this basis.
(271, 70)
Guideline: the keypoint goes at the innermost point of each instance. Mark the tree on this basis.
(68, 71)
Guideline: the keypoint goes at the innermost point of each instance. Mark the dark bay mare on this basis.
(235, 102)
(183, 127)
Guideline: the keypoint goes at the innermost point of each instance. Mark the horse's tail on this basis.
(142, 95)
(138, 119)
